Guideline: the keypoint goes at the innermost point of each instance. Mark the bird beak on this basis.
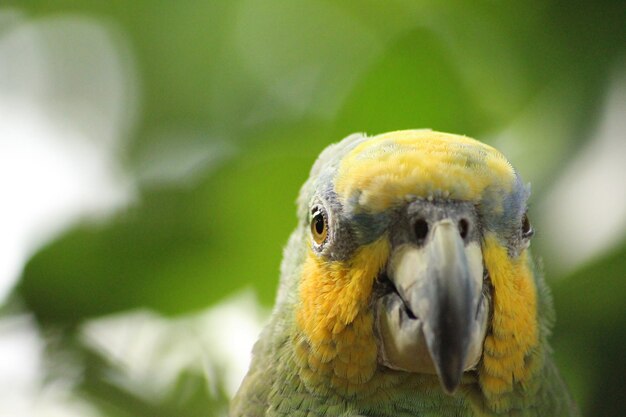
(436, 320)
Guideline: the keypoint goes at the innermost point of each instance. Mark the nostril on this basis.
(463, 228)
(421, 229)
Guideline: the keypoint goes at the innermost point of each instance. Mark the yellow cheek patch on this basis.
(337, 344)
(510, 349)
(391, 167)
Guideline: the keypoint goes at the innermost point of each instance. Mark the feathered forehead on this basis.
(371, 175)
(395, 166)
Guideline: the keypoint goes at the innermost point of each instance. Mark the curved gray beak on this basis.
(436, 322)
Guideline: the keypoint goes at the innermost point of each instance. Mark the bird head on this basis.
(414, 264)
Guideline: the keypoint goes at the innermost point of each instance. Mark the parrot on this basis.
(408, 289)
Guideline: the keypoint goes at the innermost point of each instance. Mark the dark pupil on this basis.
(319, 224)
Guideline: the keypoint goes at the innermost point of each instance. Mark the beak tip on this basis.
(449, 370)
(450, 384)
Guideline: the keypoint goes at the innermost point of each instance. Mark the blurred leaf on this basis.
(180, 249)
(590, 333)
(414, 85)
(307, 55)
(104, 383)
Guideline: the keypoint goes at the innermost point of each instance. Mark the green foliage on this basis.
(278, 81)
(180, 249)
(589, 335)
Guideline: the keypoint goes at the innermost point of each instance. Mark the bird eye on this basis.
(527, 229)
(319, 225)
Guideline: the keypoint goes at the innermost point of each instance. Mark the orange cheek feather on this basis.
(337, 340)
(510, 346)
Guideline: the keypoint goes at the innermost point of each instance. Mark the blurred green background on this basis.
(135, 283)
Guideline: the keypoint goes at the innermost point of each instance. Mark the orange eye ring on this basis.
(319, 225)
